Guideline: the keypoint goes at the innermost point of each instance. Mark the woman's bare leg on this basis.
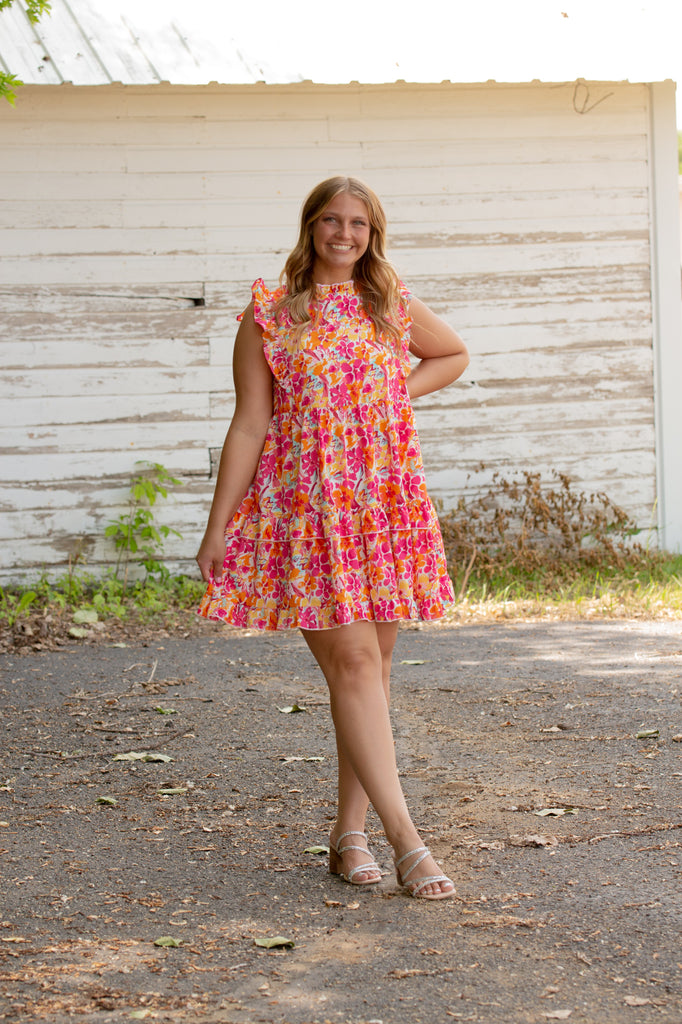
(353, 659)
(353, 801)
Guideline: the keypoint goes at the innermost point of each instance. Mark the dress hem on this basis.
(228, 621)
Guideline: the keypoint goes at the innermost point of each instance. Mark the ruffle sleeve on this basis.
(264, 301)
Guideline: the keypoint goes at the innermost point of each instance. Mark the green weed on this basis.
(135, 533)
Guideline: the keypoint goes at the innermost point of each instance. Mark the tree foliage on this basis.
(35, 9)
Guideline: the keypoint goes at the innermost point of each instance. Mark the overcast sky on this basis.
(432, 40)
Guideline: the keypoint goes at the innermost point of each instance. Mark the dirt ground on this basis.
(520, 758)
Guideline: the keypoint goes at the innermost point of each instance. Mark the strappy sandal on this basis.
(414, 888)
(336, 863)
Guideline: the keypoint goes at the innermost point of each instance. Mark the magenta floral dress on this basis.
(337, 526)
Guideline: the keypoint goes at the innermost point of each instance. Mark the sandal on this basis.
(336, 865)
(414, 887)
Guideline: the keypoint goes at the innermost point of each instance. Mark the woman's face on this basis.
(340, 237)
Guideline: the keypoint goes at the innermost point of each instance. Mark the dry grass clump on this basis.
(540, 538)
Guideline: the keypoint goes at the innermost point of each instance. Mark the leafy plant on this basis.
(34, 11)
(135, 532)
(13, 605)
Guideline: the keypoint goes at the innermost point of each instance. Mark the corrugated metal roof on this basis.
(93, 44)
(193, 42)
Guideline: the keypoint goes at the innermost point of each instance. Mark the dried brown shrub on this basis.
(525, 527)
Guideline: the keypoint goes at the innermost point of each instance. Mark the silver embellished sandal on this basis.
(336, 861)
(414, 887)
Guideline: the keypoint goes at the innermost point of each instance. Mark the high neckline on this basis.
(336, 286)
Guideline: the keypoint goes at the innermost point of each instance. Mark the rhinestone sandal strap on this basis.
(419, 849)
(419, 884)
(351, 833)
(362, 867)
(417, 862)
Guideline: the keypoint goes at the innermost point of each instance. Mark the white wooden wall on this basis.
(135, 218)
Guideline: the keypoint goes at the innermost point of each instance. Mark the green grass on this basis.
(155, 600)
(631, 591)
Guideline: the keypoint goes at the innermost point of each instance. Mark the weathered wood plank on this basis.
(248, 103)
(453, 262)
(120, 436)
(53, 297)
(64, 466)
(190, 242)
(105, 381)
(94, 413)
(144, 350)
(600, 209)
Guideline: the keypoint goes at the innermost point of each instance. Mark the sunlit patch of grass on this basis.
(656, 594)
(526, 548)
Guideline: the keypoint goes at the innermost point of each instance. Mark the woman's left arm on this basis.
(442, 353)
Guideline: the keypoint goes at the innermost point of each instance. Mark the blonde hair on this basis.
(373, 274)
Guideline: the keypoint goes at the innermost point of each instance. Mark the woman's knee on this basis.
(347, 654)
(356, 662)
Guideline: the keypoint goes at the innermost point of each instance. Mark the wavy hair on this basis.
(373, 274)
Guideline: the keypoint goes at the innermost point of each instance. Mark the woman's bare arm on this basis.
(243, 443)
(442, 353)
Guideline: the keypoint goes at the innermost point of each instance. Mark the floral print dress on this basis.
(337, 525)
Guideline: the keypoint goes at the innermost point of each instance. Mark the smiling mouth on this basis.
(341, 248)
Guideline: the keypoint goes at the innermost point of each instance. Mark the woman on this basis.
(320, 519)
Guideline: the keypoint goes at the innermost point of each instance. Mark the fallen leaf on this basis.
(292, 709)
(411, 661)
(79, 632)
(85, 615)
(536, 841)
(290, 760)
(648, 734)
(677, 739)
(143, 755)
(108, 801)
(555, 812)
(176, 791)
(168, 940)
(332, 903)
(166, 711)
(557, 1014)
(277, 942)
(636, 1001)
(317, 849)
(140, 1014)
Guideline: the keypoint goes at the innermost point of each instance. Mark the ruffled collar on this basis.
(339, 288)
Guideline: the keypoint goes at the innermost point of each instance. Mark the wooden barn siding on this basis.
(520, 220)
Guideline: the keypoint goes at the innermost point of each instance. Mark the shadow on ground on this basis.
(518, 750)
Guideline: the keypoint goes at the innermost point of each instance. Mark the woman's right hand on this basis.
(211, 556)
